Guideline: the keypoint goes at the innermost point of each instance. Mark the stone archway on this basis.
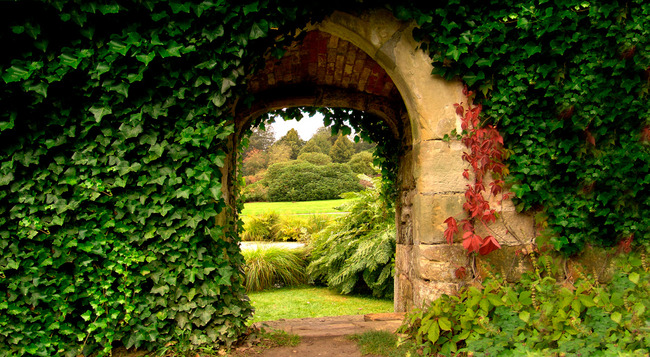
(371, 62)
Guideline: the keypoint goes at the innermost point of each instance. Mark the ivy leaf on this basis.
(160, 289)
(146, 58)
(130, 131)
(252, 7)
(15, 74)
(100, 112)
(634, 277)
(86, 315)
(256, 32)
(616, 317)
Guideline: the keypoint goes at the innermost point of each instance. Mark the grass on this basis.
(382, 343)
(311, 301)
(284, 208)
(267, 265)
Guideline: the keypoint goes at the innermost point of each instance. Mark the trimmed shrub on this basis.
(267, 265)
(304, 181)
(361, 163)
(255, 192)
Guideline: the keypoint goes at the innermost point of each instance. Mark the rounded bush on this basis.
(304, 181)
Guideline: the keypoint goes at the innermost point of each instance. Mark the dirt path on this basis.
(325, 336)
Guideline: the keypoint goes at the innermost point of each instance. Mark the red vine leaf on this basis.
(452, 228)
(625, 245)
(489, 245)
(590, 138)
(460, 273)
(471, 242)
(645, 134)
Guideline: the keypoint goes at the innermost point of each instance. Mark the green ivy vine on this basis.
(113, 126)
(566, 82)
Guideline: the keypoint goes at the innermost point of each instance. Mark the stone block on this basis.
(439, 167)
(506, 262)
(430, 213)
(403, 293)
(403, 258)
(424, 292)
(435, 271)
(593, 261)
(454, 253)
(510, 229)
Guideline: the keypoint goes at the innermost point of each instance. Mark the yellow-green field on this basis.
(285, 208)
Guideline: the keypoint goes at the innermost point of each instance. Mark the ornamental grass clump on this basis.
(268, 265)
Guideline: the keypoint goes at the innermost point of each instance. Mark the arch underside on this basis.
(323, 70)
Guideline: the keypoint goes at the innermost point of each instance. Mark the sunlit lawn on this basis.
(283, 208)
(311, 301)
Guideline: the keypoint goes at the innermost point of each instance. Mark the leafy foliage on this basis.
(357, 252)
(293, 141)
(567, 84)
(114, 123)
(485, 156)
(113, 129)
(342, 150)
(361, 163)
(540, 315)
(315, 158)
(304, 181)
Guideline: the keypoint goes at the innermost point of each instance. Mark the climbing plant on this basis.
(114, 116)
(112, 125)
(566, 82)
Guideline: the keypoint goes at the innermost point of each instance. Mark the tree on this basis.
(342, 149)
(363, 145)
(322, 139)
(279, 153)
(293, 141)
(310, 147)
(255, 161)
(260, 140)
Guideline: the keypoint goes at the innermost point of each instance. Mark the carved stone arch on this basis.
(417, 106)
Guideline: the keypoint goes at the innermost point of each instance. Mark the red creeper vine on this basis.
(485, 154)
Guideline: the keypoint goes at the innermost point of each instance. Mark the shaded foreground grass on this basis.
(284, 208)
(383, 343)
(311, 301)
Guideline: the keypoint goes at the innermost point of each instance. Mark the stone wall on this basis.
(371, 62)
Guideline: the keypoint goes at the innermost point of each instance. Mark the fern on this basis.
(357, 253)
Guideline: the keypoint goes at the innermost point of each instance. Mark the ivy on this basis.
(566, 82)
(114, 123)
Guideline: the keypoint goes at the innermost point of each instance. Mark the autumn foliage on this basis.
(484, 155)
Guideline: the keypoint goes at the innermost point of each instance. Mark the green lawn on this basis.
(311, 301)
(304, 207)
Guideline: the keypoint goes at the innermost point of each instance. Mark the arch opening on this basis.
(325, 71)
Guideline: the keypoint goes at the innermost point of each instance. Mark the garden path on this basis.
(326, 336)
